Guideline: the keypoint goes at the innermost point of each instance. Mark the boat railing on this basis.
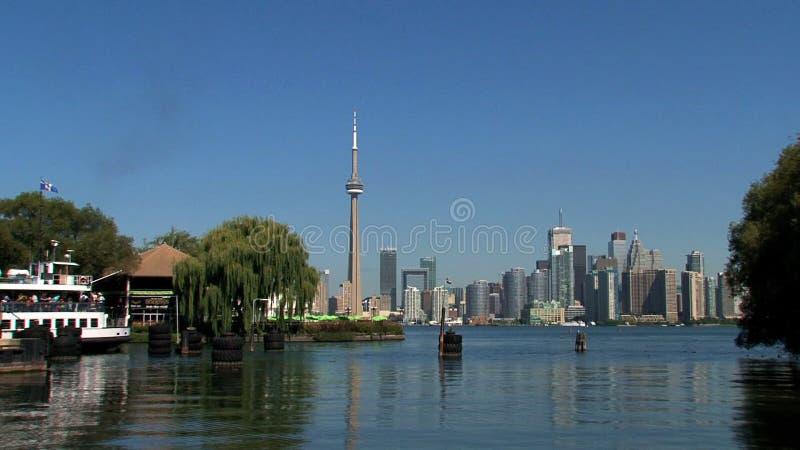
(20, 307)
(50, 278)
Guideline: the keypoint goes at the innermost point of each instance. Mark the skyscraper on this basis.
(412, 300)
(650, 292)
(438, 301)
(693, 295)
(414, 277)
(320, 303)
(515, 292)
(388, 282)
(618, 249)
(562, 276)
(640, 258)
(354, 188)
(478, 299)
(578, 269)
(429, 263)
(539, 286)
(695, 262)
(726, 308)
(711, 297)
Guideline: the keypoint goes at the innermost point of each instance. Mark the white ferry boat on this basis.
(49, 295)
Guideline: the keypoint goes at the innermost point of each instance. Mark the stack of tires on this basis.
(452, 344)
(159, 340)
(67, 344)
(37, 332)
(191, 342)
(227, 350)
(273, 340)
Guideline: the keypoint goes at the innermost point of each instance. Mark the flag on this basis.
(45, 186)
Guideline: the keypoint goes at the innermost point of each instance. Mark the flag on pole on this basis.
(46, 186)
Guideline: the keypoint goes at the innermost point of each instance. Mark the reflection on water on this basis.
(513, 387)
(768, 415)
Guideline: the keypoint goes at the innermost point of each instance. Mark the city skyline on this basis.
(186, 117)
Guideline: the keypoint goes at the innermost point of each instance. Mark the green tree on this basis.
(28, 224)
(765, 255)
(179, 239)
(245, 258)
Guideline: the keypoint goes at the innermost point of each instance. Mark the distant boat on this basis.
(574, 323)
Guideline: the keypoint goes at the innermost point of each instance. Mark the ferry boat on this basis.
(49, 295)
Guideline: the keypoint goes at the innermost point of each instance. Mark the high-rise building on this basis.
(646, 292)
(477, 295)
(414, 277)
(578, 269)
(562, 276)
(515, 292)
(711, 296)
(693, 295)
(458, 293)
(725, 301)
(429, 263)
(388, 282)
(495, 308)
(439, 296)
(412, 300)
(618, 249)
(539, 286)
(320, 303)
(606, 295)
(695, 262)
(559, 236)
(346, 293)
(354, 188)
(543, 264)
(640, 258)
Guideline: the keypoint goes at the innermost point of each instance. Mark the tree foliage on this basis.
(765, 256)
(28, 224)
(245, 258)
(179, 239)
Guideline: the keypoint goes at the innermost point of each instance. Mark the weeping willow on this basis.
(245, 258)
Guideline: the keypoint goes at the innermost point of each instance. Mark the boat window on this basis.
(70, 322)
(19, 325)
(59, 323)
(47, 323)
(94, 323)
(5, 325)
(83, 323)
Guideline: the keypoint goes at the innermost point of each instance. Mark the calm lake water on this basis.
(513, 388)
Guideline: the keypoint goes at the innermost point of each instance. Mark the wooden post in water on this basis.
(580, 342)
(441, 334)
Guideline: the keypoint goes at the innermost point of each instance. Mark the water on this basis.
(514, 388)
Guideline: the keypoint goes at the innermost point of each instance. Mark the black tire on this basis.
(159, 351)
(159, 337)
(159, 344)
(227, 355)
(160, 328)
(229, 342)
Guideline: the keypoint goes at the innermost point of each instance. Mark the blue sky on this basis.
(649, 115)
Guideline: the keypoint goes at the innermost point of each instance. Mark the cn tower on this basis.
(355, 188)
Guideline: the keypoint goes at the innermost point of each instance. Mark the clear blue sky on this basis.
(652, 115)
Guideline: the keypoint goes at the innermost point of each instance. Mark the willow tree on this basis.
(765, 254)
(245, 258)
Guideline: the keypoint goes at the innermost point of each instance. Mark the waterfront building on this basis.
(578, 270)
(495, 308)
(496, 288)
(417, 278)
(430, 264)
(515, 292)
(439, 300)
(640, 258)
(710, 285)
(345, 293)
(606, 295)
(575, 312)
(388, 276)
(725, 301)
(590, 288)
(693, 296)
(539, 286)
(545, 313)
(650, 292)
(354, 188)
(458, 295)
(413, 305)
(695, 262)
(477, 296)
(562, 277)
(618, 249)
(320, 303)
